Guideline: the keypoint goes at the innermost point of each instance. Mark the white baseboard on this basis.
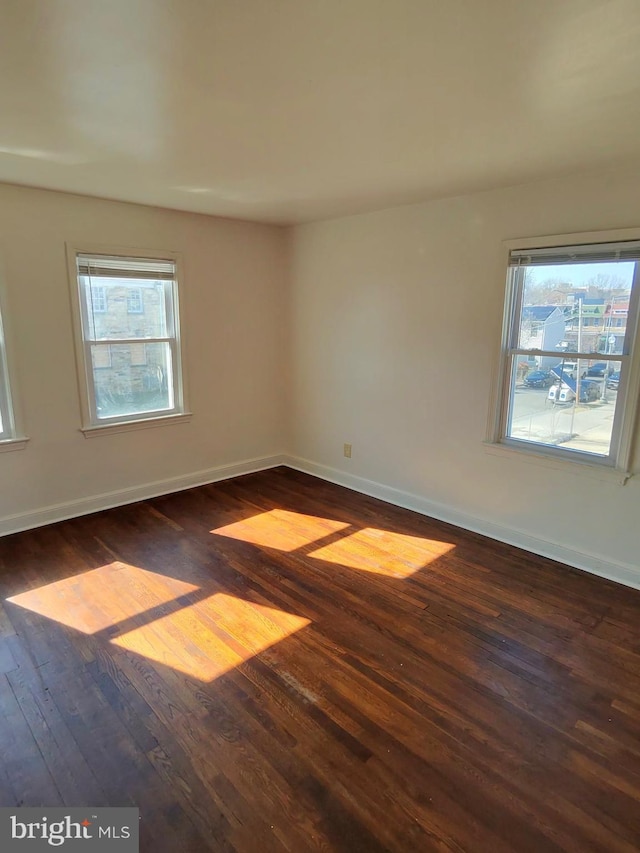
(108, 500)
(597, 564)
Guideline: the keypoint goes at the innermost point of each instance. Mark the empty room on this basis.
(319, 433)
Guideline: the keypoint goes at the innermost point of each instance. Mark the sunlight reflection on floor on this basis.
(383, 552)
(281, 529)
(207, 639)
(202, 639)
(100, 598)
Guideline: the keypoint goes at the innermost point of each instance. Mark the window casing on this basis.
(129, 349)
(572, 410)
(7, 425)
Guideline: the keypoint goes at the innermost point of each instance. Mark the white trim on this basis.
(539, 454)
(596, 564)
(108, 500)
(13, 444)
(140, 423)
(10, 412)
(110, 342)
(576, 238)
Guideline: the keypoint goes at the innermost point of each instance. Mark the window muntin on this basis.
(569, 407)
(131, 353)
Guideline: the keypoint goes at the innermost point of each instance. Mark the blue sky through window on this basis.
(579, 275)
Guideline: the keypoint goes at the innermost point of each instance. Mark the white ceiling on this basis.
(291, 110)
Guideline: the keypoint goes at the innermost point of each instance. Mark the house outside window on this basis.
(129, 355)
(573, 410)
(138, 354)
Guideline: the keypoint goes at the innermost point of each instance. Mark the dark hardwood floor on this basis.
(276, 663)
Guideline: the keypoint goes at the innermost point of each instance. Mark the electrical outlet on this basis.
(347, 451)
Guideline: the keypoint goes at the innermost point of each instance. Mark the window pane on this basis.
(545, 409)
(126, 308)
(128, 385)
(575, 307)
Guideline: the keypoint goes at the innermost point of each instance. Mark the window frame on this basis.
(7, 425)
(618, 462)
(12, 436)
(91, 425)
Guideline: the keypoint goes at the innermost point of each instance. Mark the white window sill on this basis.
(143, 423)
(570, 466)
(7, 444)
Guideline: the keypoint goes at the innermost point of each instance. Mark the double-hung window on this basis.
(571, 390)
(129, 360)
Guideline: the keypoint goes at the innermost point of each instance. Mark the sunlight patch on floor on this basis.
(383, 552)
(103, 597)
(281, 529)
(207, 639)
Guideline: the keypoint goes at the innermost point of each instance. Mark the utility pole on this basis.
(577, 400)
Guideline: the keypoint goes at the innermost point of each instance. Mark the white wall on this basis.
(382, 304)
(233, 315)
(341, 331)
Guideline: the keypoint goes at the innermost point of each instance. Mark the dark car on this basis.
(538, 379)
(598, 369)
(614, 380)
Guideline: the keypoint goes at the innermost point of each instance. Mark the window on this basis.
(98, 295)
(134, 300)
(129, 348)
(569, 406)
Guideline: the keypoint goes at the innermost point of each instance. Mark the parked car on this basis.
(569, 367)
(598, 369)
(614, 380)
(538, 379)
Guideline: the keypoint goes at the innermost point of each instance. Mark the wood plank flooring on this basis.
(274, 663)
